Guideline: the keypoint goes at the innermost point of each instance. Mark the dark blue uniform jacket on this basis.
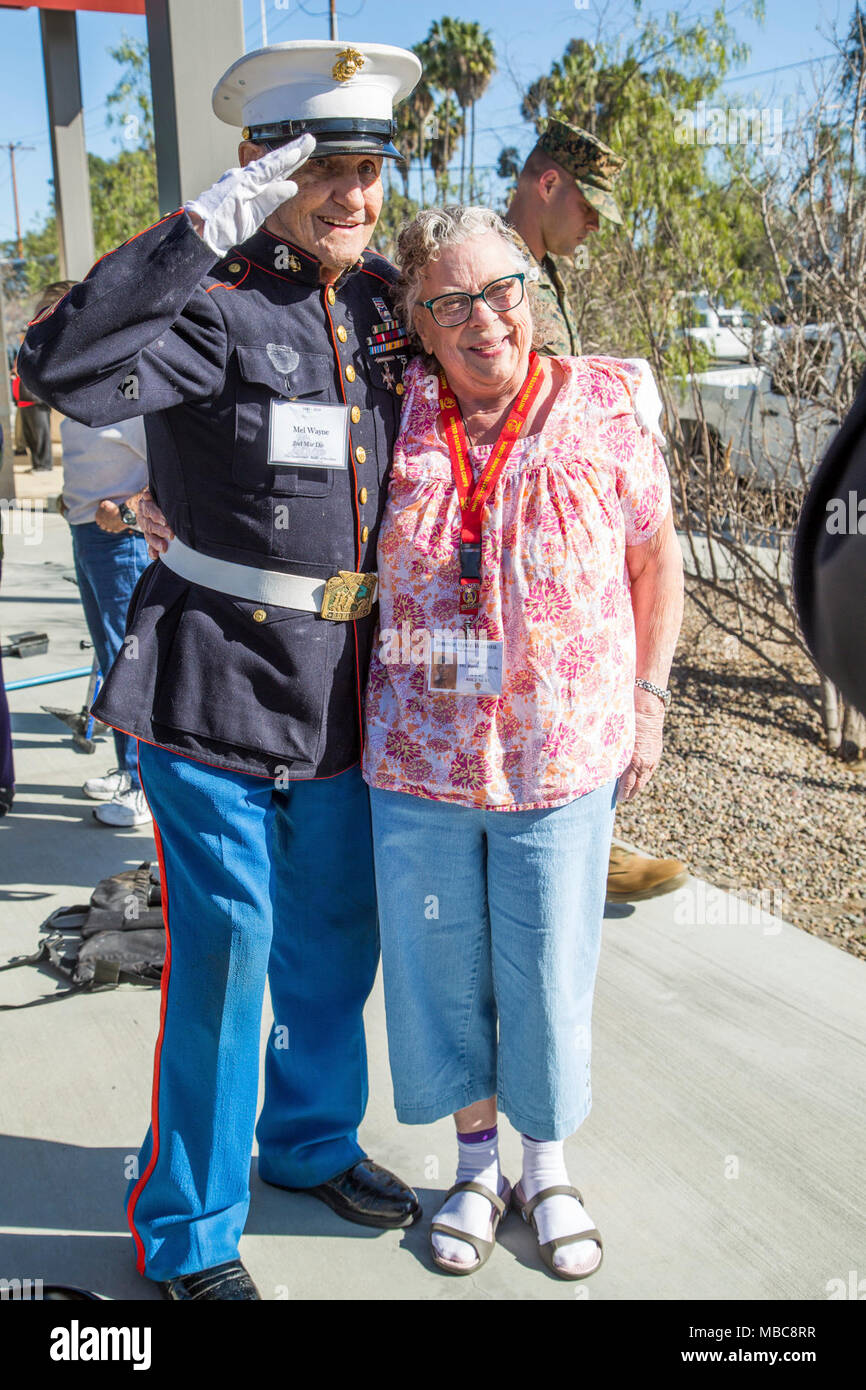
(201, 349)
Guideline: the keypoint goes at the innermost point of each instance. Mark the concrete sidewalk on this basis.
(722, 1158)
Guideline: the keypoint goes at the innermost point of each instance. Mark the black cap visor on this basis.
(333, 136)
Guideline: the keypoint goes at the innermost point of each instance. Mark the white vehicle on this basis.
(756, 415)
(725, 331)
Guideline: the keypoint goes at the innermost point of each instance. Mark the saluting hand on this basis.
(238, 203)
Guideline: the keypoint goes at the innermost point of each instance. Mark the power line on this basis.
(782, 67)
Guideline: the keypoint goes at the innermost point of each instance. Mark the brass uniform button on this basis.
(362, 496)
(365, 533)
(235, 267)
(361, 454)
(399, 388)
(342, 334)
(259, 615)
(332, 298)
(350, 373)
(356, 414)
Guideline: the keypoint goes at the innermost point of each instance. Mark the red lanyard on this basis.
(472, 499)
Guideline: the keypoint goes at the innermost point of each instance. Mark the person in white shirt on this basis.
(104, 475)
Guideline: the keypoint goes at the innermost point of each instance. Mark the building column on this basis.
(191, 42)
(68, 153)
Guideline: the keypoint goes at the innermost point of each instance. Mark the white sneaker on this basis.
(127, 808)
(107, 787)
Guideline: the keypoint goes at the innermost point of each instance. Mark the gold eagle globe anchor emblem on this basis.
(349, 61)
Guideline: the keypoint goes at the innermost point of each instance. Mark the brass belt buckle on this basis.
(348, 596)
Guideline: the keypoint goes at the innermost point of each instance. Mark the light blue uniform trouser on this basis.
(256, 881)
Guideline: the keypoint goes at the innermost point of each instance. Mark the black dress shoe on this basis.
(368, 1194)
(228, 1282)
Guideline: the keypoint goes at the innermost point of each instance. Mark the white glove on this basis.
(645, 398)
(238, 203)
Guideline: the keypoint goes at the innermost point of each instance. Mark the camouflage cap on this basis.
(593, 165)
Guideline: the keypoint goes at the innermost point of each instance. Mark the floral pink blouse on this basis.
(555, 589)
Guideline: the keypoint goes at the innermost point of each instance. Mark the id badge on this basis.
(468, 668)
(303, 435)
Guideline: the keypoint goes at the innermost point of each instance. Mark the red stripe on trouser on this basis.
(154, 1104)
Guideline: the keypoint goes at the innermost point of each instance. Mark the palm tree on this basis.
(421, 105)
(479, 61)
(462, 61)
(406, 140)
(446, 64)
(573, 89)
(449, 129)
(508, 167)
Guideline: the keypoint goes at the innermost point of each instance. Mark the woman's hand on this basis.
(154, 527)
(647, 752)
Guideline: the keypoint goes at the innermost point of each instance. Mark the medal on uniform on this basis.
(385, 337)
(472, 499)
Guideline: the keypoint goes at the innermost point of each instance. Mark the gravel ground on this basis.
(746, 796)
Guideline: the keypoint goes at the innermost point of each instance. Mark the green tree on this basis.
(123, 190)
(449, 129)
(686, 226)
(508, 167)
(422, 104)
(130, 103)
(397, 209)
(406, 140)
(462, 60)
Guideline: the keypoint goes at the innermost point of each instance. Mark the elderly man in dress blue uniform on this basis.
(255, 333)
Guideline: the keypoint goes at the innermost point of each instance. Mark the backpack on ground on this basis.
(118, 938)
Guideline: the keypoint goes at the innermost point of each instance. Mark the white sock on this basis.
(469, 1211)
(544, 1166)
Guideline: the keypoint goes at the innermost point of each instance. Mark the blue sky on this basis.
(527, 37)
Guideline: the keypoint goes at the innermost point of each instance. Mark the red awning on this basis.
(107, 6)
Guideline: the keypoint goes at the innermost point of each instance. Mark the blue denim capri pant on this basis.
(490, 925)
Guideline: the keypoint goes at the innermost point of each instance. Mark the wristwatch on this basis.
(664, 695)
(127, 515)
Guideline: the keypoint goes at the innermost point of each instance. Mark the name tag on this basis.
(473, 668)
(308, 436)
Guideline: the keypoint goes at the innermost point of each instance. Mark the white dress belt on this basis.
(245, 581)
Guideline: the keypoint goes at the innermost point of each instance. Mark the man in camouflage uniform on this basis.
(565, 184)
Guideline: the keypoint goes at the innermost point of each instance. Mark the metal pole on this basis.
(264, 25)
(49, 680)
(334, 33)
(12, 149)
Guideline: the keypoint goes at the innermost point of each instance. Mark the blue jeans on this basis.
(108, 566)
(490, 922)
(256, 883)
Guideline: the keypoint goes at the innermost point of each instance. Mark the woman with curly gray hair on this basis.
(530, 600)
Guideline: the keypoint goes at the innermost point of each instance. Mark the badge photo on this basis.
(470, 667)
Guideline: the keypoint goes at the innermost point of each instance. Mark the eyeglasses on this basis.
(500, 295)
